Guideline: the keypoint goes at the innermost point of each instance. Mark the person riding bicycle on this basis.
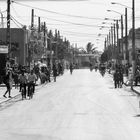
(23, 82)
(31, 81)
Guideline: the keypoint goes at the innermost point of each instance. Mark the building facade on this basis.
(137, 45)
(19, 38)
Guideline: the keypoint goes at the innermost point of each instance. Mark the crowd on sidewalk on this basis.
(22, 76)
(124, 75)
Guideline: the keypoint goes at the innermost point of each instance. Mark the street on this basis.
(81, 106)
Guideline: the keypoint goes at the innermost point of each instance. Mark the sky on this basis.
(77, 20)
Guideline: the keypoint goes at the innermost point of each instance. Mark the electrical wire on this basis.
(79, 24)
(80, 33)
(53, 12)
(71, 33)
(16, 21)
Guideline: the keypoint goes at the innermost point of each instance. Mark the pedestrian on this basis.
(137, 76)
(43, 77)
(54, 72)
(71, 68)
(47, 72)
(31, 81)
(23, 82)
(6, 81)
(116, 79)
(121, 79)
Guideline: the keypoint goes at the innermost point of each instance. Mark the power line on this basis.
(53, 12)
(79, 24)
(80, 33)
(17, 21)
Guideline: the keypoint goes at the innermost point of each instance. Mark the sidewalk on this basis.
(136, 89)
(14, 92)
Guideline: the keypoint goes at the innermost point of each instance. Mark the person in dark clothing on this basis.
(54, 72)
(120, 79)
(47, 75)
(71, 68)
(116, 79)
(137, 76)
(90, 67)
(60, 69)
(37, 71)
(7, 83)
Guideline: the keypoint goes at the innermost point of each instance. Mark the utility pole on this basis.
(8, 38)
(32, 36)
(56, 49)
(117, 31)
(107, 47)
(126, 37)
(44, 35)
(133, 42)
(122, 50)
(112, 47)
(38, 24)
(44, 41)
(32, 19)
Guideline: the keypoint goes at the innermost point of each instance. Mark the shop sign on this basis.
(3, 49)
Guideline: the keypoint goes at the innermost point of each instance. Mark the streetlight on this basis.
(110, 19)
(116, 36)
(124, 56)
(121, 4)
(115, 12)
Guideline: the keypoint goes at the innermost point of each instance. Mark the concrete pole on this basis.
(133, 41)
(8, 37)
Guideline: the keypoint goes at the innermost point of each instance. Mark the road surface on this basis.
(81, 106)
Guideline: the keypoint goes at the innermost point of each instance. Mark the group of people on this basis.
(24, 78)
(118, 78)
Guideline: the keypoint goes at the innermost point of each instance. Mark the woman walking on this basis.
(7, 81)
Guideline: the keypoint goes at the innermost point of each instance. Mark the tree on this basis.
(90, 48)
(104, 56)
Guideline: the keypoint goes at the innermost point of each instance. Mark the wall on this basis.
(18, 36)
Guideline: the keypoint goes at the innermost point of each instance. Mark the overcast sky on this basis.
(79, 21)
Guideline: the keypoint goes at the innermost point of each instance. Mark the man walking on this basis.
(116, 79)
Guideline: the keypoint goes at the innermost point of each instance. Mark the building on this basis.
(84, 60)
(137, 45)
(19, 44)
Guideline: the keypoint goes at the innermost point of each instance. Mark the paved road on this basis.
(82, 106)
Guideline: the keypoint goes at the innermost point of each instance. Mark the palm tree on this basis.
(90, 48)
